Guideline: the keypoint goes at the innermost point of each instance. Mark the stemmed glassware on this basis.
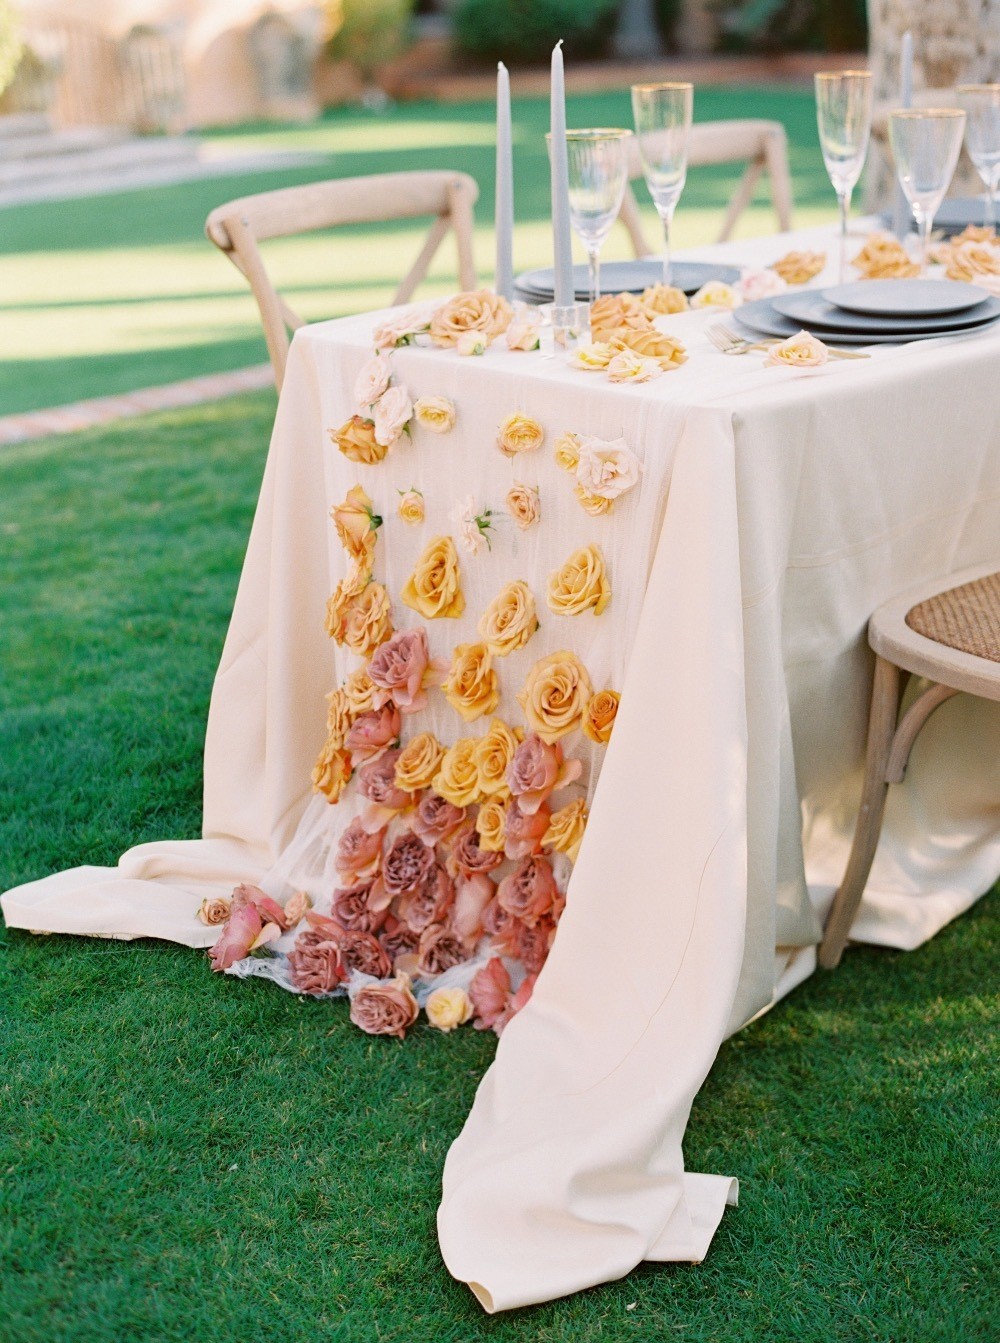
(598, 173)
(926, 144)
(662, 114)
(844, 119)
(981, 104)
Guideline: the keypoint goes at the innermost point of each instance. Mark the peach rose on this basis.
(339, 602)
(799, 267)
(359, 853)
(367, 622)
(411, 507)
(490, 993)
(536, 770)
(457, 780)
(529, 892)
(372, 381)
(466, 858)
(439, 950)
(372, 733)
(491, 825)
(473, 895)
(359, 691)
(356, 523)
(332, 770)
(716, 294)
(599, 716)
(476, 310)
(510, 620)
(356, 440)
(567, 451)
(594, 504)
(627, 366)
(437, 820)
(339, 715)
(448, 1008)
(524, 335)
(592, 358)
(653, 344)
(393, 413)
(565, 829)
(523, 505)
(398, 670)
(581, 584)
(385, 1009)
(607, 467)
(472, 688)
(214, 911)
(418, 762)
(433, 588)
(518, 433)
(435, 413)
(296, 907)
(493, 754)
(315, 964)
(799, 351)
(407, 865)
(555, 695)
(662, 300)
(523, 832)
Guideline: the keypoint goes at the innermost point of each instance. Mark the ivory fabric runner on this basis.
(776, 510)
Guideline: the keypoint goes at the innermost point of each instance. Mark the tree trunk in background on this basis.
(954, 42)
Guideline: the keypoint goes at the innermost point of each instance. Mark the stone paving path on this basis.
(79, 415)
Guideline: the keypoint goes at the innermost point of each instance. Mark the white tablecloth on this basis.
(776, 510)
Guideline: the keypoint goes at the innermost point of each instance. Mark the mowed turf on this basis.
(184, 1156)
(112, 293)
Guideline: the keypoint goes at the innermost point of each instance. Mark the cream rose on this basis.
(477, 310)
(592, 358)
(523, 505)
(581, 584)
(524, 335)
(519, 433)
(212, 912)
(716, 294)
(594, 504)
(356, 440)
(418, 762)
(457, 779)
(607, 467)
(435, 413)
(491, 825)
(372, 381)
(448, 1008)
(393, 413)
(471, 687)
(411, 507)
(627, 366)
(357, 522)
(801, 351)
(493, 754)
(599, 716)
(471, 343)
(510, 619)
(433, 588)
(567, 451)
(565, 829)
(555, 695)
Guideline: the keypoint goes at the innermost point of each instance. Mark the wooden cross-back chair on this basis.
(761, 145)
(237, 227)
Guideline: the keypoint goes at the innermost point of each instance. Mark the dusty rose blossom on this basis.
(407, 865)
(431, 903)
(397, 938)
(530, 890)
(489, 991)
(296, 907)
(372, 733)
(532, 944)
(361, 951)
(467, 858)
(473, 895)
(536, 770)
(515, 1003)
(377, 782)
(352, 909)
(393, 412)
(439, 950)
(315, 963)
(523, 505)
(385, 1009)
(523, 833)
(372, 381)
(239, 935)
(397, 670)
(214, 910)
(436, 819)
(496, 921)
(359, 852)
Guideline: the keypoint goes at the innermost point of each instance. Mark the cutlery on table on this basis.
(730, 343)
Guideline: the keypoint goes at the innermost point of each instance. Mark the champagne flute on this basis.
(598, 173)
(844, 119)
(662, 114)
(926, 144)
(981, 104)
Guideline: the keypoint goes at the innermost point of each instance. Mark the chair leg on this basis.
(881, 730)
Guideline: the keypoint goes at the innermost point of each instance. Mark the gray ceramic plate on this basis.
(536, 286)
(905, 298)
(763, 319)
(952, 215)
(811, 309)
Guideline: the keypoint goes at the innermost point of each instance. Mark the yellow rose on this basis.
(356, 440)
(493, 753)
(433, 588)
(581, 584)
(510, 620)
(339, 714)
(599, 716)
(715, 294)
(491, 825)
(668, 353)
(519, 433)
(593, 358)
(471, 687)
(448, 1008)
(339, 602)
(331, 771)
(565, 830)
(366, 621)
(662, 299)
(411, 507)
(477, 310)
(799, 267)
(359, 691)
(555, 695)
(567, 451)
(215, 911)
(594, 504)
(801, 351)
(355, 521)
(435, 413)
(418, 762)
(523, 505)
(457, 779)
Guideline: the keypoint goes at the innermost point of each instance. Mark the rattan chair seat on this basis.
(966, 618)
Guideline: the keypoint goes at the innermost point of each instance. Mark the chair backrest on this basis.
(237, 227)
(762, 145)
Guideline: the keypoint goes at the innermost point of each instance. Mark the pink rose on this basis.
(359, 852)
(489, 991)
(407, 865)
(468, 858)
(523, 834)
(393, 412)
(397, 939)
(437, 820)
(385, 1009)
(351, 908)
(372, 381)
(536, 770)
(361, 951)
(528, 893)
(377, 782)
(514, 1005)
(496, 921)
(430, 904)
(397, 670)
(439, 950)
(531, 944)
(372, 733)
(473, 895)
(315, 963)
(237, 937)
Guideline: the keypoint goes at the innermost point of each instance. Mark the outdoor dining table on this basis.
(775, 510)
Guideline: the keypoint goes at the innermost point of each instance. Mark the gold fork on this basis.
(730, 343)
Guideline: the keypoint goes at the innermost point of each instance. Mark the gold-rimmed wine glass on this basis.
(926, 143)
(844, 120)
(598, 173)
(981, 105)
(662, 114)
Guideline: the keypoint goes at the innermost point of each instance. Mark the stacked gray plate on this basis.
(536, 286)
(874, 312)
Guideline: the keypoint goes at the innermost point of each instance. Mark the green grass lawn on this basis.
(183, 1156)
(112, 293)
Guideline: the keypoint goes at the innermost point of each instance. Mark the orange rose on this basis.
(555, 695)
(331, 771)
(356, 440)
(599, 716)
(356, 524)
(477, 310)
(339, 714)
(359, 619)
(523, 505)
